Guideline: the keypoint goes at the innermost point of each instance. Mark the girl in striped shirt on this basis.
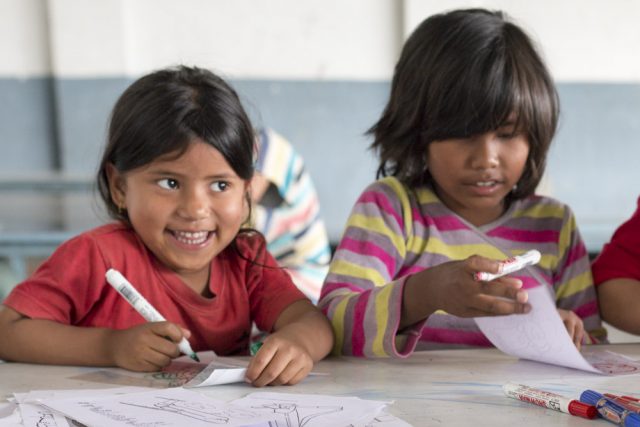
(462, 145)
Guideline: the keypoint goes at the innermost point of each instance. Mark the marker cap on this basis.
(590, 397)
(582, 410)
(632, 420)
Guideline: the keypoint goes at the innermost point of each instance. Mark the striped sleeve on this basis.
(294, 229)
(360, 296)
(573, 282)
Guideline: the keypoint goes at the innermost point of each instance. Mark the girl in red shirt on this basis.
(176, 176)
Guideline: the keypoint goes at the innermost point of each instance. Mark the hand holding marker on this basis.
(142, 306)
(511, 265)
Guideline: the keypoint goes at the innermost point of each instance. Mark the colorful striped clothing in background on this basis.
(289, 215)
(394, 231)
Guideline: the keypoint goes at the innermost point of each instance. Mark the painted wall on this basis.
(316, 71)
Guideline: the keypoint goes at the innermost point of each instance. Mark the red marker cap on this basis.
(584, 410)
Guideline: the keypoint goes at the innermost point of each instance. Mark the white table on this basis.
(445, 387)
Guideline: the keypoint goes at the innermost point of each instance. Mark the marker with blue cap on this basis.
(609, 410)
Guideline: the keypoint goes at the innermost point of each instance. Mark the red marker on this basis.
(550, 400)
(625, 402)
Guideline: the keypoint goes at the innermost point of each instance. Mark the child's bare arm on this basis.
(302, 336)
(451, 287)
(141, 348)
(619, 301)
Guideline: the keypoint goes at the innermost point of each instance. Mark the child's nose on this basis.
(486, 152)
(194, 205)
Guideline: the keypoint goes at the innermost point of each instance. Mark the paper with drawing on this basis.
(178, 406)
(298, 410)
(174, 406)
(33, 414)
(540, 335)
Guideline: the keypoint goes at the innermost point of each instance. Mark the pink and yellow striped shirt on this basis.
(394, 231)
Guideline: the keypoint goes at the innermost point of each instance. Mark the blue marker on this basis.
(610, 410)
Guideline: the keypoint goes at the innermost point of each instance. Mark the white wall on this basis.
(582, 40)
(282, 39)
(24, 49)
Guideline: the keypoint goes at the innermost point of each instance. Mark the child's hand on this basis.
(451, 286)
(574, 326)
(148, 347)
(279, 361)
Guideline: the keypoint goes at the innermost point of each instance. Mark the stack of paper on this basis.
(127, 407)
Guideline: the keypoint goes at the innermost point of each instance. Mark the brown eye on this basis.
(168, 183)
(220, 186)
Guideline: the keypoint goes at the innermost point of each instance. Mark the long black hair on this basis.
(463, 73)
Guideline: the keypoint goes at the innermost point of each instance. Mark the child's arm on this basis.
(302, 336)
(142, 348)
(619, 301)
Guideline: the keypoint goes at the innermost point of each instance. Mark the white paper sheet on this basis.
(168, 407)
(540, 335)
(7, 408)
(214, 375)
(298, 410)
(10, 415)
(383, 420)
(36, 415)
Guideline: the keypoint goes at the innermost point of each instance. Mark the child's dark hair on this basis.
(162, 113)
(464, 73)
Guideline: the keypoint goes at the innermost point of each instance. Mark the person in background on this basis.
(462, 144)
(616, 273)
(175, 176)
(287, 213)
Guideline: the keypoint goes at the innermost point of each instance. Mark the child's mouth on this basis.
(191, 238)
(486, 183)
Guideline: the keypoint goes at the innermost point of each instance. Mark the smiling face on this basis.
(186, 210)
(473, 175)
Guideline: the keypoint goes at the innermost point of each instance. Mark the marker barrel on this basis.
(142, 306)
(549, 400)
(511, 265)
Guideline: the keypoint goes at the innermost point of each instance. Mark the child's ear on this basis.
(117, 185)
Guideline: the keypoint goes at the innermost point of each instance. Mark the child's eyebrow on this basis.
(169, 172)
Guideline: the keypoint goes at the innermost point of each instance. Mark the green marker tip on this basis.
(194, 357)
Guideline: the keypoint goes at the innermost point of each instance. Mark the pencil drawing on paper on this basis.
(45, 419)
(295, 415)
(196, 410)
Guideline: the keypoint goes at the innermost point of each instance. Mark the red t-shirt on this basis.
(620, 258)
(70, 288)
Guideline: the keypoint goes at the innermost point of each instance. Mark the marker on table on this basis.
(628, 404)
(511, 265)
(142, 306)
(610, 410)
(549, 400)
(253, 348)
